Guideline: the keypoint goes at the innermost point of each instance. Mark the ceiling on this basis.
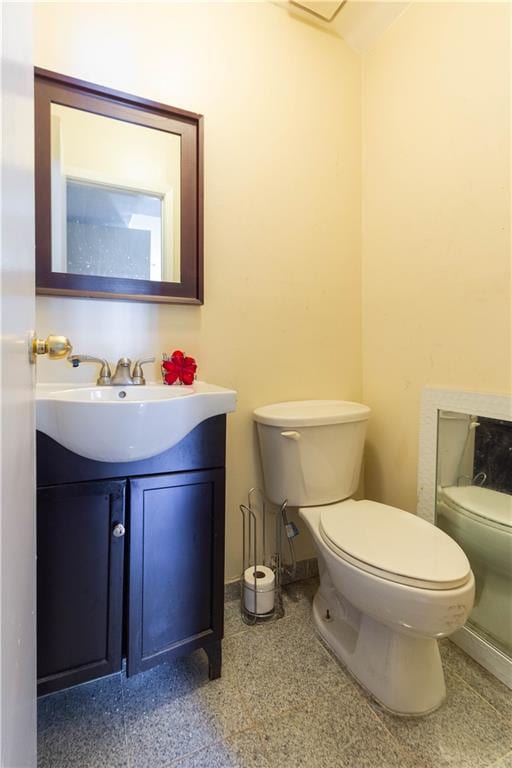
(359, 22)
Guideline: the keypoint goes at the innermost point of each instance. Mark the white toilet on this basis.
(390, 582)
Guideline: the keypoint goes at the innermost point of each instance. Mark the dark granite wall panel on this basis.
(493, 453)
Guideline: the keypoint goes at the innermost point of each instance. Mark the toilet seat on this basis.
(393, 545)
(484, 505)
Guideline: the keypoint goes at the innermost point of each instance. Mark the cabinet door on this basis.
(176, 587)
(79, 582)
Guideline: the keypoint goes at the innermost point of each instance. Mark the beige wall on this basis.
(436, 238)
(281, 101)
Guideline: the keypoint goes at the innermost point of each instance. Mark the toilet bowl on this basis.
(391, 584)
(480, 520)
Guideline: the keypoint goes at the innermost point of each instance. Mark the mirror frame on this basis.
(51, 87)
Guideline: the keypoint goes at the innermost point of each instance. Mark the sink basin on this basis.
(117, 424)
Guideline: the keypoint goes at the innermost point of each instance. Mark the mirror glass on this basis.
(474, 506)
(115, 197)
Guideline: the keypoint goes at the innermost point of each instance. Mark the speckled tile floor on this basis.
(282, 702)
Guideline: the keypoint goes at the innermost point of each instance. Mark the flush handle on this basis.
(291, 435)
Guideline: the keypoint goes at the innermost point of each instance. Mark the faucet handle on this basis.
(137, 375)
(105, 372)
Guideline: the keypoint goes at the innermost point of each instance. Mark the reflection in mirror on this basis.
(110, 231)
(115, 192)
(474, 506)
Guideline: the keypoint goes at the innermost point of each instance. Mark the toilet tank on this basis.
(311, 450)
(455, 448)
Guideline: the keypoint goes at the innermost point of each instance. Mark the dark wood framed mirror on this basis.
(119, 194)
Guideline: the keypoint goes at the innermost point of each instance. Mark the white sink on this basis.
(126, 423)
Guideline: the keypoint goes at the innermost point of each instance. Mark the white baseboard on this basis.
(496, 662)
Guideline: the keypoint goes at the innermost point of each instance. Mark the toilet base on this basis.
(403, 673)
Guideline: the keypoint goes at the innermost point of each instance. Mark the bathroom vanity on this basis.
(130, 558)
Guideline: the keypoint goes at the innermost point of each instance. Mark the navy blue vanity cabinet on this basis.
(130, 558)
(176, 580)
(79, 582)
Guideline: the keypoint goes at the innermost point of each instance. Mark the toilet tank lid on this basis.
(310, 413)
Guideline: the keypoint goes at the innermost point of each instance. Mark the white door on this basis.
(17, 510)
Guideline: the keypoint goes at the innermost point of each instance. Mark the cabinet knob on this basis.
(119, 530)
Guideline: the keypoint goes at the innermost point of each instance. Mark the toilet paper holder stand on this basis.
(260, 600)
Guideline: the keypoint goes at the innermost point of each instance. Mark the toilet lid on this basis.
(482, 502)
(394, 544)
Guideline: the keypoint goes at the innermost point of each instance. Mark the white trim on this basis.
(58, 199)
(476, 646)
(124, 182)
(481, 404)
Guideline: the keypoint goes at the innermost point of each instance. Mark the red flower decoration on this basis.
(179, 368)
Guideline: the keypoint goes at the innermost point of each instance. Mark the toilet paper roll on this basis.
(259, 576)
(259, 585)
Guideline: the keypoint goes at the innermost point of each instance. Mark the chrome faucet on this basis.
(122, 376)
